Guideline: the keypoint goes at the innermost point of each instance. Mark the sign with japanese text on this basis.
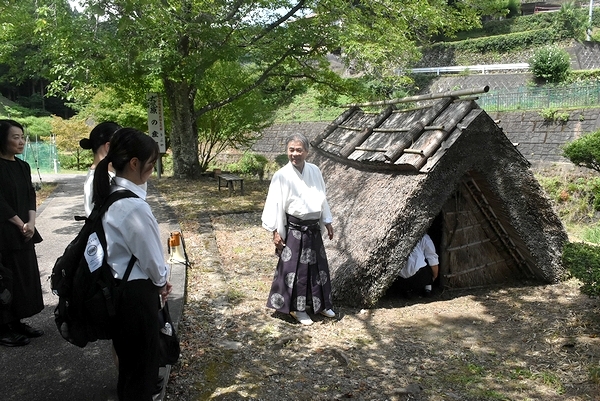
(156, 121)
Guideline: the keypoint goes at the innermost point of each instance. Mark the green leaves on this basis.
(585, 151)
(583, 261)
(551, 64)
(235, 61)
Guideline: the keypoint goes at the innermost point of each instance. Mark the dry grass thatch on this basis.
(457, 176)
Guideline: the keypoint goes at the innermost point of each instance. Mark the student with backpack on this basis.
(131, 229)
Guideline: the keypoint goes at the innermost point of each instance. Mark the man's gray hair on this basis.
(298, 137)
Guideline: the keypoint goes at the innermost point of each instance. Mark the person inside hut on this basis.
(421, 269)
(296, 212)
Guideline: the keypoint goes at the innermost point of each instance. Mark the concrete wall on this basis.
(272, 143)
(538, 140)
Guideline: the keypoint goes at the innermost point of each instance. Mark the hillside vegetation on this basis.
(5, 105)
(512, 40)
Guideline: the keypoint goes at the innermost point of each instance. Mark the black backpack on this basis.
(87, 293)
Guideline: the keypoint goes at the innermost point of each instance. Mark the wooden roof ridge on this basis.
(428, 96)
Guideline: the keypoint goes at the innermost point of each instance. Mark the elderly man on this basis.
(296, 212)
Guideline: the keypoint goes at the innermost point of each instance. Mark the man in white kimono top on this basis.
(296, 212)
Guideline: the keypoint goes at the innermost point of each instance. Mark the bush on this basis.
(583, 262)
(577, 199)
(589, 77)
(502, 43)
(584, 151)
(282, 160)
(551, 64)
(553, 115)
(249, 164)
(571, 21)
(511, 25)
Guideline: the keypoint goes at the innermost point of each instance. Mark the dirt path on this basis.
(506, 343)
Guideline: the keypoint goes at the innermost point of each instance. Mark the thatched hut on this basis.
(444, 167)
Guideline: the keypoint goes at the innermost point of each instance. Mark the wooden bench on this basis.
(227, 180)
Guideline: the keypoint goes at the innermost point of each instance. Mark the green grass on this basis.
(307, 108)
(576, 198)
(594, 374)
(591, 234)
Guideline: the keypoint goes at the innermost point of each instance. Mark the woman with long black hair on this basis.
(131, 229)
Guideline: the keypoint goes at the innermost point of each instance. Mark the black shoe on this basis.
(427, 293)
(26, 330)
(12, 339)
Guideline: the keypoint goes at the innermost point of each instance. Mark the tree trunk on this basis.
(184, 135)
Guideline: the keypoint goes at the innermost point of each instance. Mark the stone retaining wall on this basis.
(538, 140)
(273, 138)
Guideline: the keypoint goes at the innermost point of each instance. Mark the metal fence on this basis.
(41, 157)
(539, 98)
(482, 68)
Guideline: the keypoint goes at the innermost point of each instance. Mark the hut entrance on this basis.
(477, 248)
(475, 244)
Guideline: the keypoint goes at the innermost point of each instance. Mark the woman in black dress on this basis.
(17, 238)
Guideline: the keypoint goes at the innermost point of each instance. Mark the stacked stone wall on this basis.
(540, 141)
(272, 141)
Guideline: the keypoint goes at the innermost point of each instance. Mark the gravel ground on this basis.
(518, 342)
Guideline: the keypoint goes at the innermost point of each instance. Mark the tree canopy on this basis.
(210, 55)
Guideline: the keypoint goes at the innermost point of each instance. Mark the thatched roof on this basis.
(390, 174)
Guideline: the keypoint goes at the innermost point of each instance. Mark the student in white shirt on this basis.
(98, 142)
(131, 229)
(296, 212)
(421, 269)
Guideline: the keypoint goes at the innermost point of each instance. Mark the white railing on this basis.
(471, 68)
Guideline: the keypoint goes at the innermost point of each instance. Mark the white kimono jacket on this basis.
(301, 195)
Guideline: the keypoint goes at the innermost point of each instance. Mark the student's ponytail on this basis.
(101, 181)
(125, 144)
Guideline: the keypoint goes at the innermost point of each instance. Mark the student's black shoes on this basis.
(9, 338)
(25, 330)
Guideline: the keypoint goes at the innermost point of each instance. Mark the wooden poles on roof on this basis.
(429, 96)
(394, 153)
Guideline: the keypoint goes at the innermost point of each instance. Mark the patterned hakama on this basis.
(302, 275)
